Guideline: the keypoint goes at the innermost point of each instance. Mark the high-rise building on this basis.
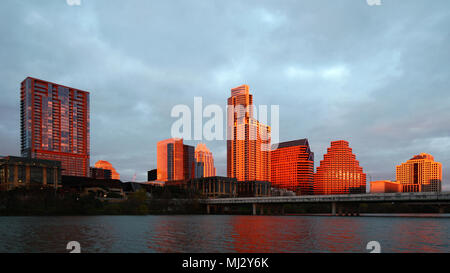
(175, 161)
(189, 161)
(339, 172)
(293, 167)
(55, 125)
(248, 140)
(420, 173)
(204, 158)
(102, 164)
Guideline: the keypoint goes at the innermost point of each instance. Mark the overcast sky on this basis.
(377, 76)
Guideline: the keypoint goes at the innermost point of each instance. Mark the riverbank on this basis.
(50, 203)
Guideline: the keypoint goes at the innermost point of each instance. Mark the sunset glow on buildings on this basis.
(105, 165)
(293, 167)
(55, 125)
(205, 161)
(339, 172)
(170, 159)
(420, 173)
(175, 161)
(385, 186)
(248, 142)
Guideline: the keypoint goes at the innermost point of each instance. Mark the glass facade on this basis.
(293, 167)
(174, 160)
(55, 125)
(247, 160)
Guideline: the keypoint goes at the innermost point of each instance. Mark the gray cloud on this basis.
(376, 76)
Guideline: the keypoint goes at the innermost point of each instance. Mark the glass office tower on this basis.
(248, 140)
(293, 167)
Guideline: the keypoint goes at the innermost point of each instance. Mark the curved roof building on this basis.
(102, 164)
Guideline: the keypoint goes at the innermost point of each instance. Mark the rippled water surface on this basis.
(139, 234)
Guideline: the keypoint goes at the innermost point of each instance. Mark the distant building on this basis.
(170, 161)
(293, 167)
(209, 187)
(420, 174)
(254, 189)
(152, 175)
(248, 140)
(106, 189)
(205, 161)
(281, 192)
(175, 161)
(18, 172)
(189, 161)
(55, 124)
(199, 167)
(385, 186)
(98, 173)
(102, 164)
(339, 172)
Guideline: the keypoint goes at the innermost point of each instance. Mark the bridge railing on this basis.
(378, 197)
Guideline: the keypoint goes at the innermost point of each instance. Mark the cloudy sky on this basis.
(377, 76)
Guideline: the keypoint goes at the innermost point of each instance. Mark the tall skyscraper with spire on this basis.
(248, 140)
(55, 124)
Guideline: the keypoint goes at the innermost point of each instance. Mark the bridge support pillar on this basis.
(333, 208)
(254, 208)
(208, 209)
(441, 209)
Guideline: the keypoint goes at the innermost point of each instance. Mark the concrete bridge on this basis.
(337, 202)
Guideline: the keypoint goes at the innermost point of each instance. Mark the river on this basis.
(223, 233)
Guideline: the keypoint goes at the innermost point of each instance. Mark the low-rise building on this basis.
(18, 172)
(210, 187)
(98, 173)
(254, 189)
(385, 186)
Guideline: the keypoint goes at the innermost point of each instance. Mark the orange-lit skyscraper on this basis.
(204, 158)
(293, 167)
(105, 165)
(175, 161)
(248, 140)
(55, 124)
(420, 173)
(339, 172)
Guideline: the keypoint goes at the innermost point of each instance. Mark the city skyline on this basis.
(382, 109)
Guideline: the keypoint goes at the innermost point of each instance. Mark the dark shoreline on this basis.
(364, 215)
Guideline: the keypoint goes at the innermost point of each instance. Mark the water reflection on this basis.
(200, 234)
